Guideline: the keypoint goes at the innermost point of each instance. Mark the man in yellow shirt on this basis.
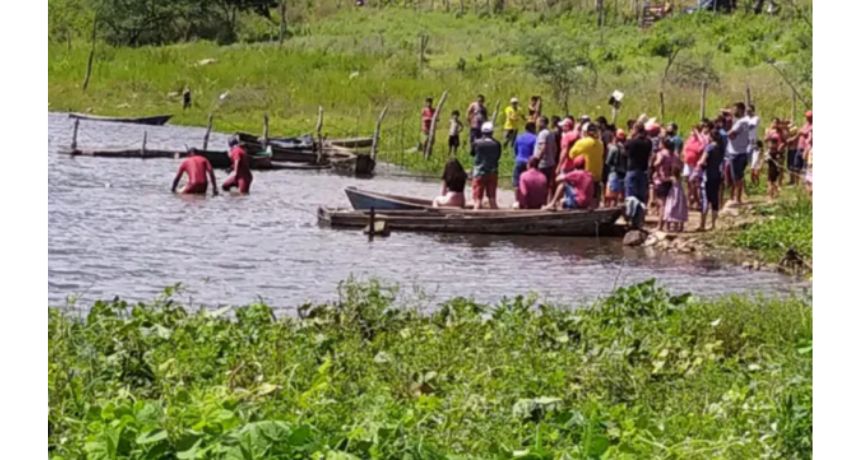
(514, 118)
(591, 147)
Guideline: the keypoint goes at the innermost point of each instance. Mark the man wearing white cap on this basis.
(485, 175)
(514, 118)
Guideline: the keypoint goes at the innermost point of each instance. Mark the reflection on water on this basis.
(115, 229)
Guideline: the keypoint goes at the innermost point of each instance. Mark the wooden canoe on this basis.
(499, 222)
(365, 199)
(155, 120)
(352, 142)
(120, 153)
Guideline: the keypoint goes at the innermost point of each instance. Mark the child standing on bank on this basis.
(675, 210)
(455, 126)
(775, 161)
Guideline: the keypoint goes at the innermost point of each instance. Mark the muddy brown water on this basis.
(116, 230)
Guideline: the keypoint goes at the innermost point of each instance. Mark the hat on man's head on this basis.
(515, 100)
(487, 127)
(579, 162)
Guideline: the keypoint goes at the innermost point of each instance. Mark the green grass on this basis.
(353, 62)
(786, 223)
(640, 374)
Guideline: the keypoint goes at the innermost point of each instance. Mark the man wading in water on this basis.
(197, 167)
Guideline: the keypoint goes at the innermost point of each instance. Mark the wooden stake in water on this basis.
(428, 147)
(372, 225)
(375, 145)
(143, 146)
(208, 130)
(75, 135)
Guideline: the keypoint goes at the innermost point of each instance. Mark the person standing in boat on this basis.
(197, 167)
(241, 163)
(485, 177)
(453, 184)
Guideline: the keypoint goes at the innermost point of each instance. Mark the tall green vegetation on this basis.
(640, 374)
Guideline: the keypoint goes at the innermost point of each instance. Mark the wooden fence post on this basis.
(91, 57)
(495, 113)
(748, 96)
(428, 147)
(793, 107)
(75, 135)
(319, 142)
(208, 130)
(265, 131)
(375, 145)
(703, 101)
(662, 108)
(283, 31)
(143, 146)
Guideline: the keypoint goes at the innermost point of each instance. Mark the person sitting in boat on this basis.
(241, 164)
(453, 184)
(575, 189)
(532, 188)
(197, 167)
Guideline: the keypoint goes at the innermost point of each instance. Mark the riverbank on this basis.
(640, 374)
(760, 234)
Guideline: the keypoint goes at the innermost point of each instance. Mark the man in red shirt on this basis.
(241, 162)
(426, 120)
(197, 167)
(575, 189)
(532, 189)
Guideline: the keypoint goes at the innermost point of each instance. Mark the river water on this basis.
(116, 230)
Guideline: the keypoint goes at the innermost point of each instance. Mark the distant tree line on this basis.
(154, 22)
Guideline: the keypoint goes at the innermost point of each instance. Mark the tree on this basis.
(562, 67)
(668, 46)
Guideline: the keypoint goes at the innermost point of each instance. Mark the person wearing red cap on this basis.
(616, 164)
(575, 189)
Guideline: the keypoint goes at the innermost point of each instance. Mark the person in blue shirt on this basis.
(524, 147)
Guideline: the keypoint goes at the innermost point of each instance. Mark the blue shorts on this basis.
(738, 165)
(569, 197)
(636, 184)
(616, 182)
(519, 168)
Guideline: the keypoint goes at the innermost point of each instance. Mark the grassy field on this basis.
(640, 374)
(352, 62)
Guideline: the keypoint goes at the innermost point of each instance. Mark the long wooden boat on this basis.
(155, 120)
(499, 222)
(365, 199)
(352, 142)
(120, 153)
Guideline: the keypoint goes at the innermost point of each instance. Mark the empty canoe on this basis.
(156, 120)
(365, 199)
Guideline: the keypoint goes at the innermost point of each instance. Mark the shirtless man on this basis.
(241, 162)
(197, 167)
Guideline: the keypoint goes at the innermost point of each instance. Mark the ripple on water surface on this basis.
(115, 229)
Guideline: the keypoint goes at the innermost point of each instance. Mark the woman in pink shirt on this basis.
(693, 150)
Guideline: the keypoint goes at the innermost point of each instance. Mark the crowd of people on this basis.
(577, 163)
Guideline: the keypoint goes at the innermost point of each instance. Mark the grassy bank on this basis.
(638, 375)
(354, 61)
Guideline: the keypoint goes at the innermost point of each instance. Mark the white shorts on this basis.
(687, 172)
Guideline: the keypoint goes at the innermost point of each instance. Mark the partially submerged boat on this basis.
(154, 120)
(499, 222)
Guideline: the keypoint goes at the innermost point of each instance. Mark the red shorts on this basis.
(486, 183)
(243, 182)
(197, 188)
